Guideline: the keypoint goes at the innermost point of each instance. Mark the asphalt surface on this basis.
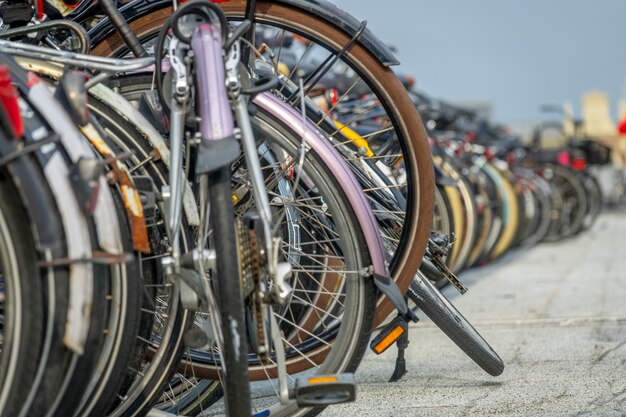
(555, 313)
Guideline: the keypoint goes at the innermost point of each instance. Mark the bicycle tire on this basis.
(442, 217)
(23, 300)
(486, 214)
(571, 191)
(229, 295)
(445, 315)
(594, 199)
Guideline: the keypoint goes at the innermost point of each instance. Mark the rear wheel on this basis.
(403, 123)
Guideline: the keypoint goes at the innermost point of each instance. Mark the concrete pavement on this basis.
(555, 313)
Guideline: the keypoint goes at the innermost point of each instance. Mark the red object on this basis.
(579, 164)
(563, 158)
(8, 97)
(622, 126)
(32, 79)
(334, 97)
(410, 81)
(39, 10)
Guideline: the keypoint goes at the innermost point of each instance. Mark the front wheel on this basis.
(234, 347)
(445, 315)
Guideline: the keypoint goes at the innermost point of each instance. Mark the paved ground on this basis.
(555, 313)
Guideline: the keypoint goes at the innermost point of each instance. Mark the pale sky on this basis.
(518, 54)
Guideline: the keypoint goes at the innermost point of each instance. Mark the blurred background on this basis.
(508, 58)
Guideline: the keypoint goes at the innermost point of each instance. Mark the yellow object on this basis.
(509, 232)
(389, 339)
(355, 137)
(283, 69)
(61, 7)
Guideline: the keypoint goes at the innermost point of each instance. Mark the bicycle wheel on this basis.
(404, 122)
(22, 320)
(75, 289)
(594, 199)
(445, 315)
(327, 322)
(158, 344)
(486, 213)
(442, 216)
(542, 205)
(568, 188)
(508, 215)
(511, 215)
(467, 234)
(163, 322)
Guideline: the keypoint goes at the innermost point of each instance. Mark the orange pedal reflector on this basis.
(322, 379)
(389, 335)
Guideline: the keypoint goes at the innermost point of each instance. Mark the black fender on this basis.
(321, 9)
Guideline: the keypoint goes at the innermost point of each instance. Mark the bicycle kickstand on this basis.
(400, 370)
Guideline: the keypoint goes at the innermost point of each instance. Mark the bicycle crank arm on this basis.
(433, 267)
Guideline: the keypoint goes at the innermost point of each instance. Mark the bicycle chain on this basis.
(245, 265)
(436, 254)
(250, 262)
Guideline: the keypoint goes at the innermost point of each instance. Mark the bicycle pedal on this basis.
(439, 244)
(389, 335)
(322, 390)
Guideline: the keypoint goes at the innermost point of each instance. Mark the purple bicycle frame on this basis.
(342, 173)
(216, 114)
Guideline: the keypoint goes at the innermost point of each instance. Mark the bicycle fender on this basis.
(76, 230)
(320, 9)
(388, 287)
(126, 110)
(316, 140)
(348, 182)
